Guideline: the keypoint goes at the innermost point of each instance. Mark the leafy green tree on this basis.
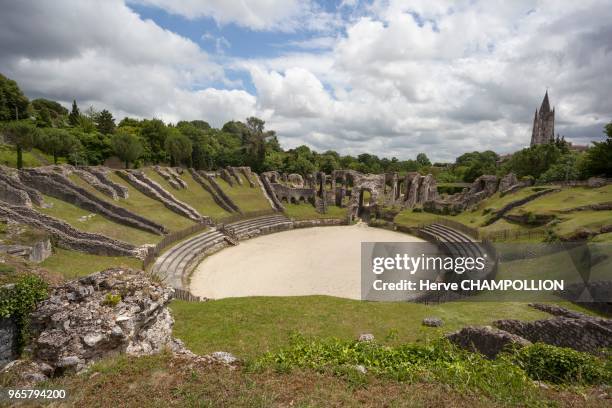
(58, 142)
(105, 122)
(598, 158)
(255, 142)
(328, 163)
(566, 168)
(127, 147)
(48, 113)
(532, 161)
(179, 147)
(23, 135)
(75, 114)
(422, 160)
(154, 132)
(13, 103)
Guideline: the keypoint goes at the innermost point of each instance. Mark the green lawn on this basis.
(8, 157)
(252, 325)
(566, 199)
(194, 194)
(591, 220)
(245, 197)
(98, 224)
(150, 208)
(307, 211)
(74, 264)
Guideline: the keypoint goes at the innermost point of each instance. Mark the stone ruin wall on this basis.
(57, 185)
(201, 179)
(101, 173)
(220, 193)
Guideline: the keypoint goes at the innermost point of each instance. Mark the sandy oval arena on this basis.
(309, 261)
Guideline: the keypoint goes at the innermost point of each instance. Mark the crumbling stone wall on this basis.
(168, 174)
(292, 194)
(57, 185)
(219, 192)
(216, 197)
(269, 193)
(101, 173)
(483, 187)
(248, 175)
(8, 341)
(147, 189)
(66, 236)
(225, 175)
(10, 178)
(235, 174)
(95, 183)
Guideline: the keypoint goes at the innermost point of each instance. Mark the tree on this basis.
(254, 142)
(105, 122)
(48, 113)
(598, 159)
(532, 161)
(21, 134)
(179, 147)
(154, 132)
(58, 142)
(13, 103)
(75, 114)
(423, 160)
(127, 147)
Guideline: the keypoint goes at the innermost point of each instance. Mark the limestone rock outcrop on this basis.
(110, 312)
(486, 340)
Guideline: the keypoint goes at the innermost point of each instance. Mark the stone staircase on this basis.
(457, 245)
(258, 226)
(174, 265)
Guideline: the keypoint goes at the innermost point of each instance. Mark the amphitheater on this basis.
(175, 219)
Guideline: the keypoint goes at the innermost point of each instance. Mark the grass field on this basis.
(150, 208)
(97, 223)
(246, 198)
(74, 264)
(308, 212)
(550, 204)
(8, 157)
(194, 194)
(250, 326)
(164, 381)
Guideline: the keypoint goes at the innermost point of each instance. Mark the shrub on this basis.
(563, 365)
(19, 300)
(111, 300)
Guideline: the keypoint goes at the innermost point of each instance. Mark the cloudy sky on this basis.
(392, 78)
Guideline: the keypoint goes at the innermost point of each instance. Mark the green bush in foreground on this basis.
(19, 300)
(563, 365)
(508, 378)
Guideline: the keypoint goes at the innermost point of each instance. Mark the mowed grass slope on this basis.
(245, 197)
(307, 211)
(194, 194)
(149, 208)
(96, 223)
(253, 325)
(74, 264)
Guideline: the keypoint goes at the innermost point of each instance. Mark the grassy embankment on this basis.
(32, 158)
(553, 204)
(194, 194)
(247, 198)
(308, 212)
(72, 263)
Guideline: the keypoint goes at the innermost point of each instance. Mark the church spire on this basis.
(545, 104)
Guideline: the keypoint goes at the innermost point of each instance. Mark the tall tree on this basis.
(75, 114)
(423, 160)
(13, 103)
(179, 147)
(105, 122)
(154, 132)
(254, 142)
(21, 134)
(598, 159)
(127, 147)
(58, 142)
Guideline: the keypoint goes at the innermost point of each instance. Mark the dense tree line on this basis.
(91, 136)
